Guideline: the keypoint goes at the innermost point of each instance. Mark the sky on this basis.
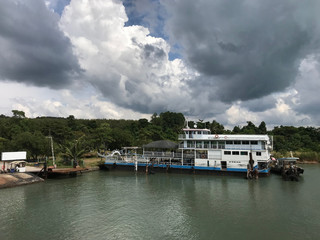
(224, 60)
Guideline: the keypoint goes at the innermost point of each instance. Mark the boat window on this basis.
(254, 142)
(244, 153)
(245, 142)
(213, 144)
(199, 144)
(190, 144)
(237, 142)
(229, 142)
(199, 132)
(221, 144)
(227, 152)
(258, 153)
(235, 153)
(206, 144)
(201, 154)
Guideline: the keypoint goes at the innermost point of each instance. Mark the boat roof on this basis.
(196, 129)
(288, 159)
(240, 137)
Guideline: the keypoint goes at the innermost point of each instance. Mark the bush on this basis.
(309, 156)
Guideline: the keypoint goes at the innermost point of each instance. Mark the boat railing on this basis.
(255, 148)
(149, 154)
(192, 136)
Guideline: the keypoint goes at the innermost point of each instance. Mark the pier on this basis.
(51, 172)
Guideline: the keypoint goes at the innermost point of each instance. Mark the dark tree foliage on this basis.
(19, 133)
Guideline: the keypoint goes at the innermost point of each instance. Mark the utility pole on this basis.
(53, 159)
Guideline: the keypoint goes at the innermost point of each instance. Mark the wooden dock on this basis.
(56, 172)
(59, 172)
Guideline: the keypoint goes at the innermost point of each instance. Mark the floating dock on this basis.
(56, 172)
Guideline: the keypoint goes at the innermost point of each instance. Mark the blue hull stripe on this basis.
(189, 167)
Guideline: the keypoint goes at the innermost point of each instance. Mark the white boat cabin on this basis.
(224, 151)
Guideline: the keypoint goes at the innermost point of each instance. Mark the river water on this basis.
(125, 205)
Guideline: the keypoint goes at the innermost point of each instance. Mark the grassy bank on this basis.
(304, 156)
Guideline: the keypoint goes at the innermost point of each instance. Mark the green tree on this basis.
(18, 114)
(35, 144)
(262, 128)
(249, 129)
(216, 127)
(75, 150)
(236, 130)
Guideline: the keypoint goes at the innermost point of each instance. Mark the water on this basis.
(124, 205)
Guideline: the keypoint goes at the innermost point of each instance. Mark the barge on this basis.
(288, 168)
(199, 152)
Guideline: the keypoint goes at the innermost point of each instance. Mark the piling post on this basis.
(136, 165)
(45, 168)
(147, 168)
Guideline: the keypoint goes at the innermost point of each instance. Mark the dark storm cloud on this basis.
(32, 48)
(247, 49)
(261, 104)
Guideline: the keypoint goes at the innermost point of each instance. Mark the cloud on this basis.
(148, 13)
(33, 50)
(83, 103)
(306, 98)
(127, 65)
(248, 49)
(240, 60)
(57, 5)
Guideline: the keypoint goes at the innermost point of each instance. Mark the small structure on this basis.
(162, 149)
(288, 168)
(13, 161)
(162, 144)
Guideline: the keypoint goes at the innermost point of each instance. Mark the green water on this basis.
(125, 205)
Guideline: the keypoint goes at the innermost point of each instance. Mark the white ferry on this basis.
(225, 152)
(199, 152)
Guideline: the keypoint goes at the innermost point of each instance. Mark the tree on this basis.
(155, 119)
(18, 114)
(216, 127)
(236, 130)
(34, 143)
(75, 151)
(103, 135)
(249, 129)
(172, 120)
(262, 128)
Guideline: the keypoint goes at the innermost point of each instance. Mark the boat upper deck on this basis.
(204, 134)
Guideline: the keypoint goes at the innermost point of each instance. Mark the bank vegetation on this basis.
(80, 139)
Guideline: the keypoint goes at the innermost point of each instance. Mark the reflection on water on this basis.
(125, 205)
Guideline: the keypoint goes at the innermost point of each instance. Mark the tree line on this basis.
(71, 135)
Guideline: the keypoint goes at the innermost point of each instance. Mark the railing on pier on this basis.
(150, 154)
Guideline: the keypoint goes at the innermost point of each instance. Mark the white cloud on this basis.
(129, 67)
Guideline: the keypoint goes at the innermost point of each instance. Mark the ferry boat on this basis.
(226, 152)
(199, 151)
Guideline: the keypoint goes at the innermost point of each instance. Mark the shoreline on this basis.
(8, 180)
(308, 162)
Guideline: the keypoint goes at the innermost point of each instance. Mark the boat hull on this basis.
(184, 169)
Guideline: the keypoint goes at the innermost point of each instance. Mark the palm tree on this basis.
(75, 151)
